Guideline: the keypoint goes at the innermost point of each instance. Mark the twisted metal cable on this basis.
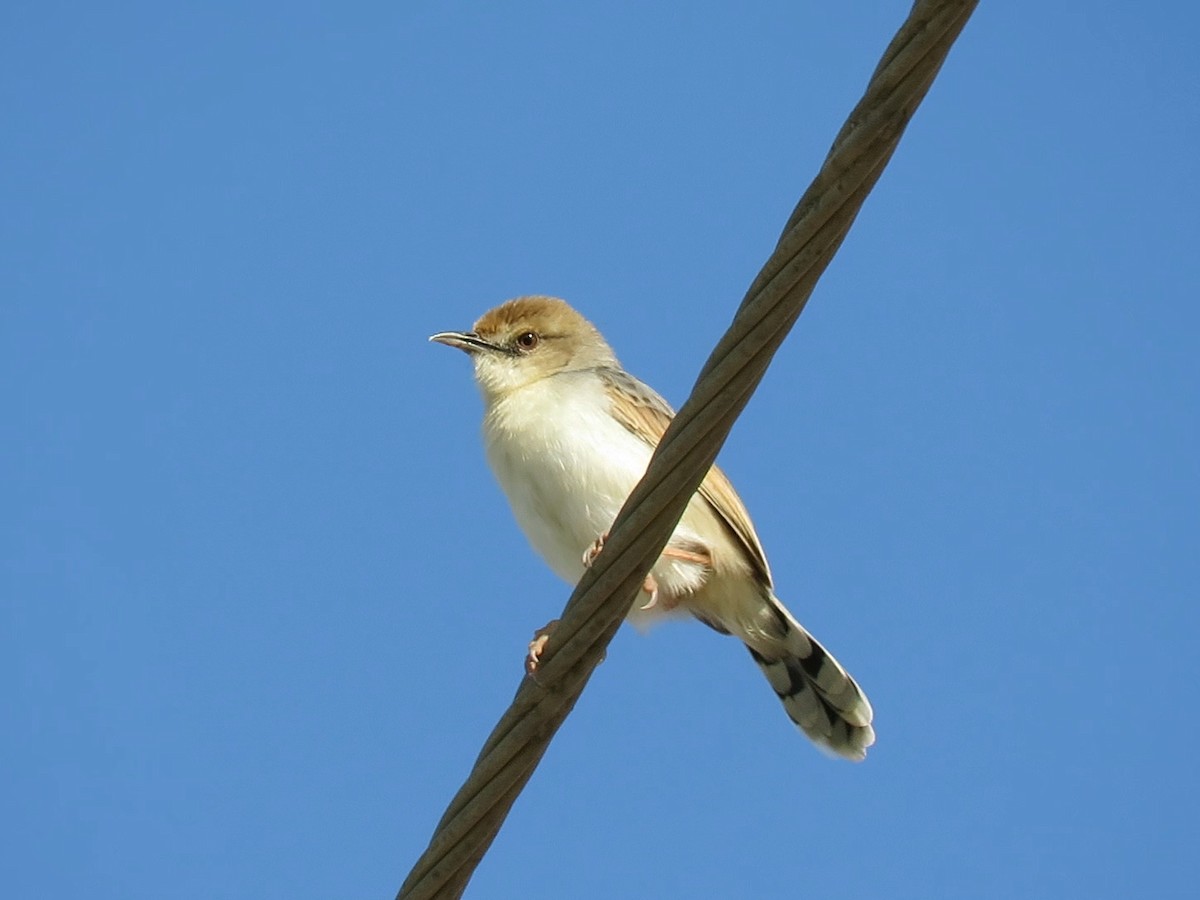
(687, 450)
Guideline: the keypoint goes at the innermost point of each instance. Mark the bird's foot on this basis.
(699, 557)
(536, 646)
(590, 554)
(650, 586)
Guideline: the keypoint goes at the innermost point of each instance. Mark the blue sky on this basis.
(261, 600)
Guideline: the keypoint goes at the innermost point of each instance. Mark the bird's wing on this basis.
(646, 414)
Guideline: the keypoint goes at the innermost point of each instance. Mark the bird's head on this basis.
(528, 339)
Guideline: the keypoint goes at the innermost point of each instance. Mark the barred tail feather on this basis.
(817, 693)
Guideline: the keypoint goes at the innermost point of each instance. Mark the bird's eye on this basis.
(527, 340)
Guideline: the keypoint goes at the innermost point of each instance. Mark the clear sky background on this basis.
(262, 601)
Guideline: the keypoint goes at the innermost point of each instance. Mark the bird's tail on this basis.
(817, 693)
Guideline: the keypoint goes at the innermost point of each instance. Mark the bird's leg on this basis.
(699, 557)
(537, 645)
(650, 586)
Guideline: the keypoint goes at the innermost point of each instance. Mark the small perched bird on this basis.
(568, 434)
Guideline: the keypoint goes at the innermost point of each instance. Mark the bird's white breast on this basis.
(564, 462)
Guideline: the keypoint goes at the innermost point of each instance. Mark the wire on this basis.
(687, 450)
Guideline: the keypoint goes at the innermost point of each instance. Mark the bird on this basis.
(568, 433)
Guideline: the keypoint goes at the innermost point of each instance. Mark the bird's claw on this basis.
(537, 646)
(650, 586)
(590, 554)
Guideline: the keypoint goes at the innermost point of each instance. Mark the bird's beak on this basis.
(467, 341)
